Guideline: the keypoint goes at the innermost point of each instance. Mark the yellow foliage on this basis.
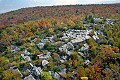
(84, 78)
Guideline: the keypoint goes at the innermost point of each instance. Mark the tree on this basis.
(116, 49)
(11, 75)
(56, 69)
(42, 21)
(91, 20)
(45, 76)
(71, 23)
(74, 55)
(96, 27)
(39, 62)
(80, 72)
(51, 31)
(48, 46)
(86, 18)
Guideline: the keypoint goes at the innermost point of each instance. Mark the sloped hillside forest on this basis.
(71, 42)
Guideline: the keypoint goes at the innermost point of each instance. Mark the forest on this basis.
(72, 42)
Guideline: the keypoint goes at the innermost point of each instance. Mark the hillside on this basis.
(35, 13)
(73, 42)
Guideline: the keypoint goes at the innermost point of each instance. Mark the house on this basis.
(44, 62)
(40, 45)
(30, 77)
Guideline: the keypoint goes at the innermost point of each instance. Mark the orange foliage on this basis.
(116, 49)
